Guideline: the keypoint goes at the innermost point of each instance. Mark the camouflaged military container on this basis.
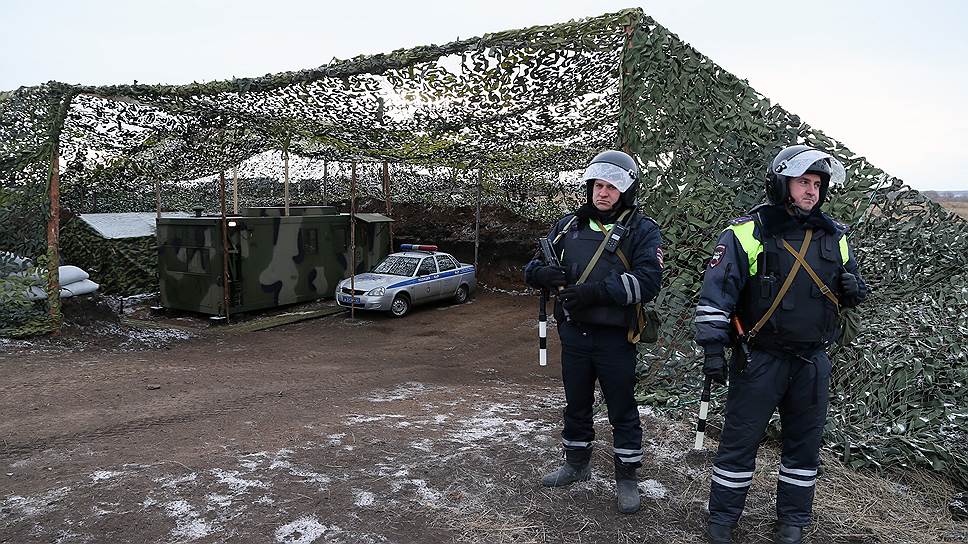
(273, 259)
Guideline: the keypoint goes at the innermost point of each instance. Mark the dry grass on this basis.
(497, 500)
(909, 507)
(960, 207)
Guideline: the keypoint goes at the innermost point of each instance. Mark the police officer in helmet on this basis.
(785, 271)
(611, 264)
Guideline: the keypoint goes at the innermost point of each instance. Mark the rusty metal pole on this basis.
(225, 247)
(353, 239)
(53, 242)
(386, 194)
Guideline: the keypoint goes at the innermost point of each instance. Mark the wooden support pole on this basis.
(157, 199)
(235, 190)
(225, 247)
(53, 242)
(386, 195)
(325, 182)
(477, 222)
(353, 238)
(285, 179)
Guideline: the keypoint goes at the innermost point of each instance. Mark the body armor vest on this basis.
(577, 247)
(806, 318)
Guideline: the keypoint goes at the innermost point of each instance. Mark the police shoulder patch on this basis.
(741, 220)
(840, 226)
(717, 256)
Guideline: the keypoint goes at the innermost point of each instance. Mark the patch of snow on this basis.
(427, 494)
(364, 498)
(304, 530)
(357, 418)
(29, 507)
(651, 489)
(403, 392)
(153, 338)
(496, 428)
(424, 444)
(215, 500)
(236, 484)
(174, 481)
(99, 475)
(188, 525)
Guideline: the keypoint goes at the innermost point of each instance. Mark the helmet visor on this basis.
(621, 179)
(801, 163)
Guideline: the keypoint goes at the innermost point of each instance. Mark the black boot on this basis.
(567, 475)
(627, 488)
(788, 534)
(719, 534)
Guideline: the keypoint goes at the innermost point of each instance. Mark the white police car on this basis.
(415, 275)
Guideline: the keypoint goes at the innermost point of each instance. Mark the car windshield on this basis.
(397, 265)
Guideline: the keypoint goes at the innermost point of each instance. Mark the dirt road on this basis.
(433, 428)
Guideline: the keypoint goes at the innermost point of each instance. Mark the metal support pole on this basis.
(53, 242)
(353, 239)
(225, 247)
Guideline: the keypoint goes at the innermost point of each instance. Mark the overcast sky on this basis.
(888, 78)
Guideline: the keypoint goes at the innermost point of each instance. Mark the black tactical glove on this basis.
(578, 296)
(849, 287)
(714, 366)
(550, 277)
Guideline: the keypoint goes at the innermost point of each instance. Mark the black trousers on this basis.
(590, 353)
(799, 387)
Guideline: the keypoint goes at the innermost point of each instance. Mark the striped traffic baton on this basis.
(543, 329)
(703, 412)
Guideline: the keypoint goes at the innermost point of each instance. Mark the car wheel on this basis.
(461, 296)
(400, 306)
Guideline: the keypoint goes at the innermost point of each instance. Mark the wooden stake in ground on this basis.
(225, 247)
(353, 240)
(53, 242)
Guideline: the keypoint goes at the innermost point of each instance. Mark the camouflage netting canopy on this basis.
(513, 117)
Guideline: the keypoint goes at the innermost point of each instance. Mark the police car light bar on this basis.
(416, 247)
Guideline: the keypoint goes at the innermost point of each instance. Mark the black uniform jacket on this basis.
(750, 264)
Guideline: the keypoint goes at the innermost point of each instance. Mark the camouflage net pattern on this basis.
(513, 117)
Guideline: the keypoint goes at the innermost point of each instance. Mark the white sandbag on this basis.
(71, 274)
(36, 293)
(78, 288)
